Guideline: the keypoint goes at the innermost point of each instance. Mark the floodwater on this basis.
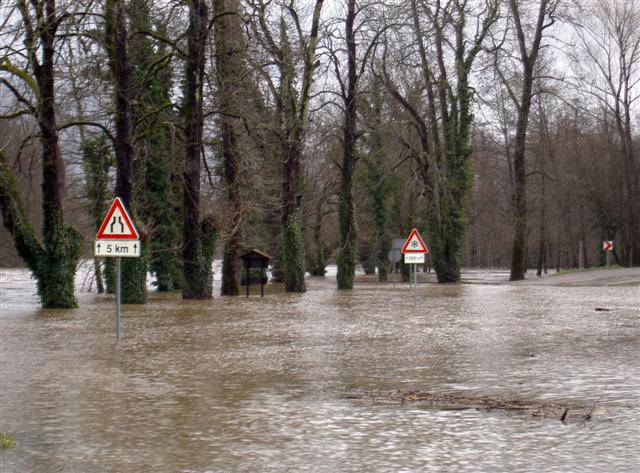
(238, 384)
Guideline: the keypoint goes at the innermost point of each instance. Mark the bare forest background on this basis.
(317, 131)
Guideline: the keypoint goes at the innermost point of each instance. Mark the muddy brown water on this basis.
(256, 384)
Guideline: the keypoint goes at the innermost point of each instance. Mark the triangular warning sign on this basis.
(117, 225)
(414, 244)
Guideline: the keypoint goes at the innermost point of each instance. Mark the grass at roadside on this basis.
(583, 270)
(6, 441)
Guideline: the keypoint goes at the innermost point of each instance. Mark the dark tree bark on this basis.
(52, 261)
(134, 270)
(232, 87)
(346, 210)
(528, 60)
(445, 129)
(292, 109)
(198, 234)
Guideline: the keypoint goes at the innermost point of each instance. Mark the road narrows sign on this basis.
(117, 238)
(118, 224)
(415, 243)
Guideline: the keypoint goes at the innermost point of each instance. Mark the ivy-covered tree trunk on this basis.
(97, 160)
(232, 88)
(382, 234)
(53, 260)
(134, 270)
(378, 181)
(346, 208)
(319, 258)
(198, 233)
(445, 131)
(158, 204)
(293, 263)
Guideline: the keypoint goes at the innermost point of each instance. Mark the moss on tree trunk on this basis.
(53, 261)
(293, 255)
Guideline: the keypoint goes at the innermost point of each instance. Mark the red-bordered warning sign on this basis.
(118, 224)
(414, 244)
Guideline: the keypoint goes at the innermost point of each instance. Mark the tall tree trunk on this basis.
(346, 209)
(158, 204)
(52, 261)
(632, 185)
(293, 260)
(518, 254)
(232, 87)
(528, 60)
(198, 234)
(134, 270)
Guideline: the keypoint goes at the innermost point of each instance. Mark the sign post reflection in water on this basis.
(117, 238)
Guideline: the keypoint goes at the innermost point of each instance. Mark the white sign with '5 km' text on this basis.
(123, 249)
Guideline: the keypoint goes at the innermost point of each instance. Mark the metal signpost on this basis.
(607, 246)
(117, 238)
(395, 255)
(414, 250)
(394, 258)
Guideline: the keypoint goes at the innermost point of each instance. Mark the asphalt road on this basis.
(597, 277)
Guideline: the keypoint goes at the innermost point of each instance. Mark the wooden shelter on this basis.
(255, 259)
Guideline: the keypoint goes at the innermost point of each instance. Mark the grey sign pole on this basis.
(394, 257)
(118, 298)
(415, 281)
(580, 255)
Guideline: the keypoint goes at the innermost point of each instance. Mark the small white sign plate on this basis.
(114, 248)
(414, 258)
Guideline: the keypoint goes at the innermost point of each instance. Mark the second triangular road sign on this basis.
(118, 224)
(414, 244)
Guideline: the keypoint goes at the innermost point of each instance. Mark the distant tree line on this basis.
(505, 130)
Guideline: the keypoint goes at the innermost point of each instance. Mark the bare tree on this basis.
(53, 259)
(609, 32)
(295, 64)
(528, 51)
(444, 127)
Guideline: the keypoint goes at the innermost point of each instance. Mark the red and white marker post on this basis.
(607, 246)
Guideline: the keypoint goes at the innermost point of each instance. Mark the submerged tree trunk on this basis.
(198, 234)
(158, 200)
(528, 60)
(346, 209)
(134, 270)
(293, 260)
(232, 87)
(53, 260)
(96, 160)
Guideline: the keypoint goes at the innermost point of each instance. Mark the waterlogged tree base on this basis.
(134, 279)
(447, 275)
(198, 274)
(293, 256)
(562, 411)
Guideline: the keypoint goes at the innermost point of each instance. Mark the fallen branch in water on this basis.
(459, 401)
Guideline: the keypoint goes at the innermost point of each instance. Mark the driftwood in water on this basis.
(564, 411)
